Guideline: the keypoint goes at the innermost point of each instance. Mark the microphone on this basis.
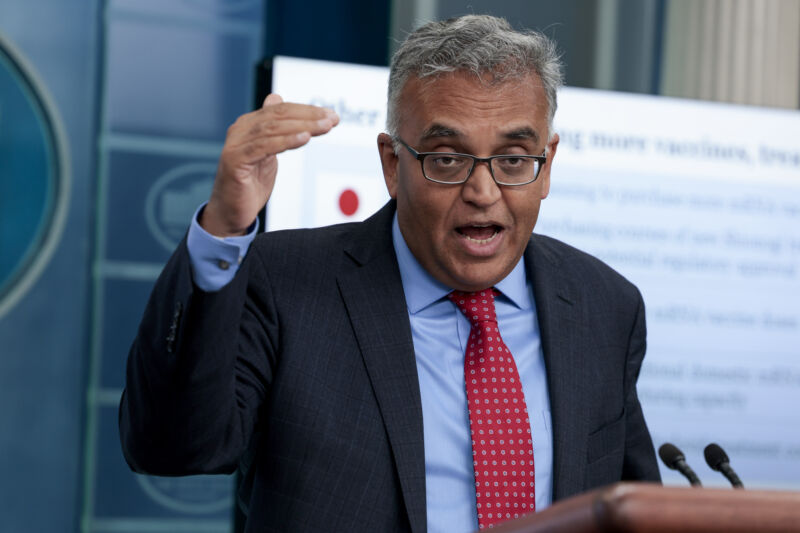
(675, 460)
(718, 460)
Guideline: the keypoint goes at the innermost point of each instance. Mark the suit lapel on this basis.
(373, 294)
(560, 326)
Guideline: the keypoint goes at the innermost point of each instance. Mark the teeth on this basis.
(482, 241)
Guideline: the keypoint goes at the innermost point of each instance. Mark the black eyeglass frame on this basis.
(420, 156)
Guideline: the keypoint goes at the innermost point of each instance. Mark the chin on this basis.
(476, 281)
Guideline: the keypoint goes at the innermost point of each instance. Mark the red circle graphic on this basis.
(348, 202)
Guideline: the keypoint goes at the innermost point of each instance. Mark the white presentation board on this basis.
(696, 203)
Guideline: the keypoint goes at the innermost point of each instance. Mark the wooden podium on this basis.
(651, 508)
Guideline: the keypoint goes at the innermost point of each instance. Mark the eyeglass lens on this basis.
(454, 168)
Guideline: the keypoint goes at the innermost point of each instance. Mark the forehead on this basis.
(470, 105)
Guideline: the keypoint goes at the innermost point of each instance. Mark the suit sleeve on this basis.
(640, 461)
(198, 371)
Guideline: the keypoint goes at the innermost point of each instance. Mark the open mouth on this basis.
(480, 234)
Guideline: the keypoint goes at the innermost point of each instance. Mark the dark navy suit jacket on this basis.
(303, 367)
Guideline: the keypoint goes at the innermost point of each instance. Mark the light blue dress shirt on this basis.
(440, 332)
(215, 260)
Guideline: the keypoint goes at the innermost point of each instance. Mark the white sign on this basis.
(696, 203)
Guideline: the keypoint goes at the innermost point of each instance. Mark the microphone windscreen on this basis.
(670, 454)
(715, 456)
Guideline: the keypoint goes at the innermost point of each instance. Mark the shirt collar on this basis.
(422, 289)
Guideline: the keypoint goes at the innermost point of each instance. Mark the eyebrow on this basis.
(439, 130)
(522, 134)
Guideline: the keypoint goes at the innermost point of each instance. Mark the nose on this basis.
(481, 189)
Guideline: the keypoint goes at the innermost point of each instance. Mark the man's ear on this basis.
(388, 162)
(544, 174)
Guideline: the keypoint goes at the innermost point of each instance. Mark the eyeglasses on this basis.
(452, 168)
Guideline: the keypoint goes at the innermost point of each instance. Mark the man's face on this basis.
(468, 236)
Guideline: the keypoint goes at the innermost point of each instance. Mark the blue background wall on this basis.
(144, 91)
(44, 337)
(172, 77)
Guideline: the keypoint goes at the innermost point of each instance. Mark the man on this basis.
(434, 367)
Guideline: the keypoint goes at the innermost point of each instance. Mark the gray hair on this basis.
(480, 44)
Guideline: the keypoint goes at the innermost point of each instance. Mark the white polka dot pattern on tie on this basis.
(502, 446)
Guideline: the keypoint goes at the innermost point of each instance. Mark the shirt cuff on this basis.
(215, 260)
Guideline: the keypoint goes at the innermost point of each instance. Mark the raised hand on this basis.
(248, 166)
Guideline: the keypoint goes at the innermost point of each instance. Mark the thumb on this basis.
(272, 99)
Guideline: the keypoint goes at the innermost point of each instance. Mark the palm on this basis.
(248, 164)
(262, 176)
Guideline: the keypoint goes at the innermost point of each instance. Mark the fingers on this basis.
(267, 138)
(274, 107)
(284, 111)
(279, 118)
(272, 99)
(276, 127)
(259, 148)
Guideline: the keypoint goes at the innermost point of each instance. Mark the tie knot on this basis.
(477, 306)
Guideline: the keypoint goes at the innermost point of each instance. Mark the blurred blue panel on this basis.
(120, 323)
(122, 495)
(244, 10)
(43, 336)
(348, 30)
(151, 199)
(176, 80)
(27, 171)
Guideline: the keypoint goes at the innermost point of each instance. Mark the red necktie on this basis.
(502, 447)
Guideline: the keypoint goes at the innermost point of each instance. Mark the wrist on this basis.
(214, 223)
